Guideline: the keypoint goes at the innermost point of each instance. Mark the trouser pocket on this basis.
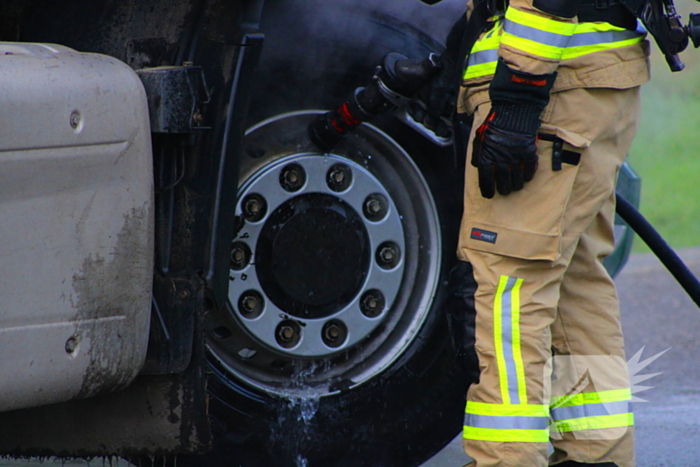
(524, 224)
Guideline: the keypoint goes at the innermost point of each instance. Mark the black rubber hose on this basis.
(661, 249)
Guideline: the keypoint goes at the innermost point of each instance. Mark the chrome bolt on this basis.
(254, 207)
(372, 303)
(286, 333)
(339, 177)
(240, 256)
(293, 177)
(334, 333)
(250, 303)
(388, 255)
(375, 207)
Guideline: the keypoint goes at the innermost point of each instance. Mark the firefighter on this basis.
(553, 87)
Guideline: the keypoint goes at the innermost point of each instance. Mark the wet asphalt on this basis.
(657, 315)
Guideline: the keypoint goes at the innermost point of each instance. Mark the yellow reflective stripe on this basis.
(512, 435)
(517, 353)
(595, 423)
(614, 395)
(491, 39)
(574, 52)
(583, 28)
(510, 410)
(498, 340)
(532, 47)
(540, 22)
(476, 71)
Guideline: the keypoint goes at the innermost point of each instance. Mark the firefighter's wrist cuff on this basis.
(510, 87)
(517, 118)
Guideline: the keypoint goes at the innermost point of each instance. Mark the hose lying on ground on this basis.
(661, 249)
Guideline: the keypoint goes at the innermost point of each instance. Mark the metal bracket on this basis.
(175, 96)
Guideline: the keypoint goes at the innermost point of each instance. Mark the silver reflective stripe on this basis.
(507, 337)
(483, 56)
(506, 423)
(602, 37)
(536, 35)
(591, 410)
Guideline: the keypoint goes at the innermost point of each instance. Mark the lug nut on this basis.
(288, 333)
(372, 303)
(388, 255)
(240, 256)
(334, 333)
(375, 207)
(292, 177)
(251, 304)
(339, 177)
(254, 207)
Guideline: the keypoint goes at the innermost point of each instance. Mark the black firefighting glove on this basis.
(505, 149)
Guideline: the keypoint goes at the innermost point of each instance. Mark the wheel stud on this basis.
(375, 207)
(388, 255)
(254, 207)
(240, 256)
(334, 333)
(292, 177)
(251, 304)
(372, 303)
(288, 333)
(339, 178)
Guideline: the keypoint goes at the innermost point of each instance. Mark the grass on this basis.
(666, 151)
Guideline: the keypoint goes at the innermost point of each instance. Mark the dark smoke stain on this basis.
(114, 287)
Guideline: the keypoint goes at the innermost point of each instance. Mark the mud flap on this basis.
(159, 414)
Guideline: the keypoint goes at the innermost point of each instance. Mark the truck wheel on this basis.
(334, 348)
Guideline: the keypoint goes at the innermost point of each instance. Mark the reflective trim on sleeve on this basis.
(594, 423)
(565, 28)
(586, 38)
(536, 35)
(590, 410)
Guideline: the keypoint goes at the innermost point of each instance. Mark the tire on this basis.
(393, 393)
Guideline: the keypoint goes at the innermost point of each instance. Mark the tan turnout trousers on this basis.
(548, 333)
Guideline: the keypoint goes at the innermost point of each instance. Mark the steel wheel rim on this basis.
(380, 167)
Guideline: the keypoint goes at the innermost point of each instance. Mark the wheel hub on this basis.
(316, 249)
(313, 282)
